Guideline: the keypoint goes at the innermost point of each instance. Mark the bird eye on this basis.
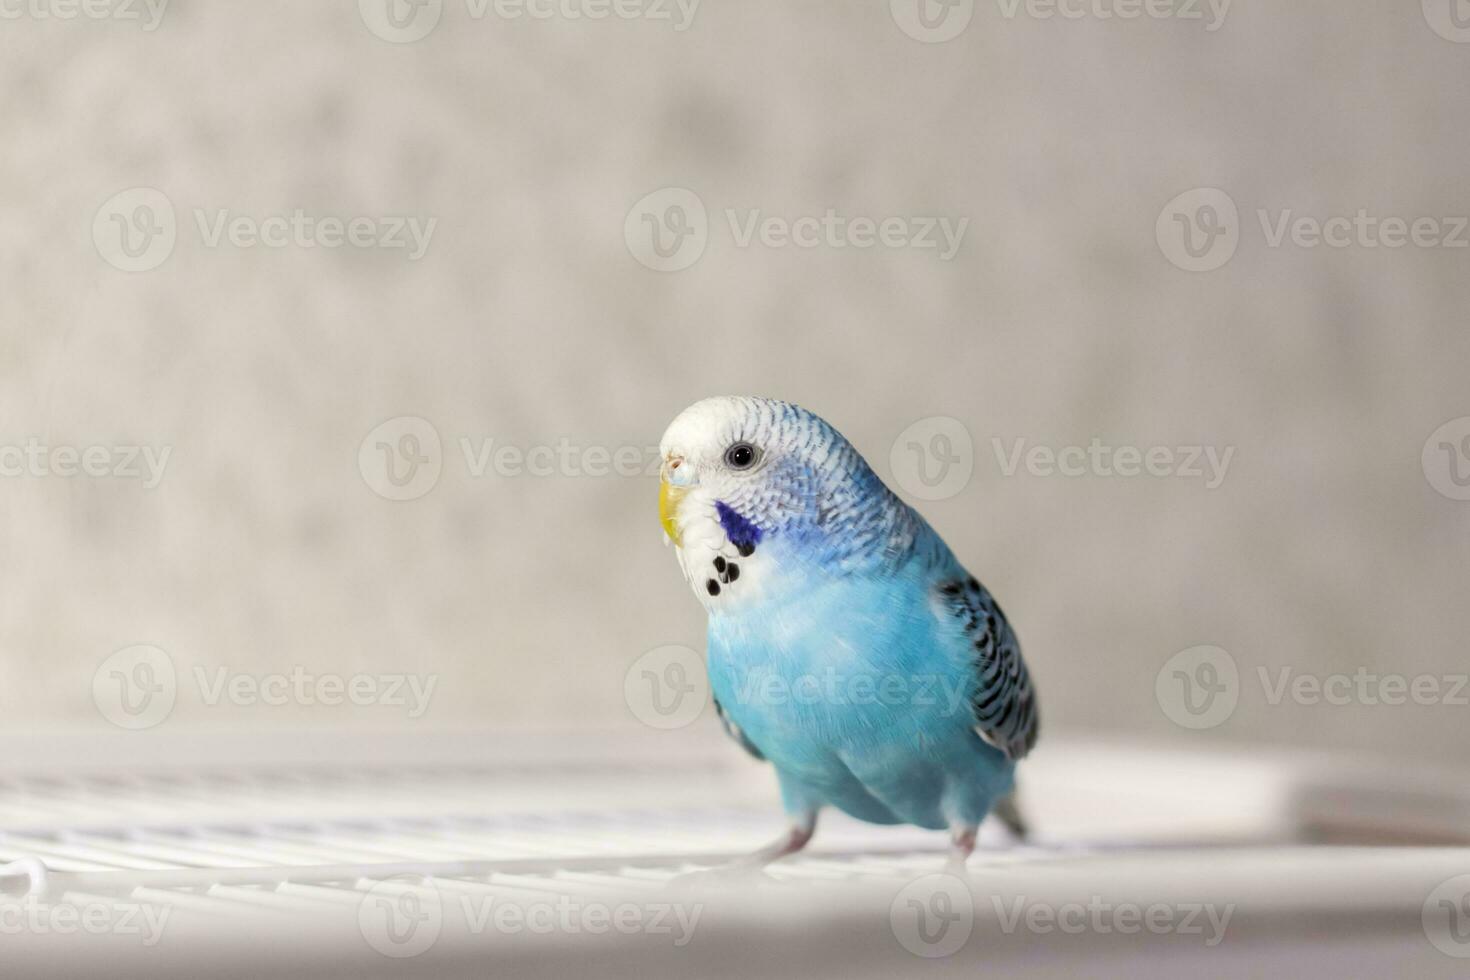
(741, 456)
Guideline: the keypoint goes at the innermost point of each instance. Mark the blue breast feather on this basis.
(859, 693)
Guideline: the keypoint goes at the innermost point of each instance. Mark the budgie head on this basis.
(758, 495)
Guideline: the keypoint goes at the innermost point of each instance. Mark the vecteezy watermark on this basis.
(1450, 19)
(30, 916)
(933, 459)
(407, 21)
(1206, 463)
(1364, 687)
(148, 14)
(403, 459)
(669, 230)
(933, 916)
(402, 918)
(137, 688)
(1101, 917)
(667, 687)
(1446, 917)
(34, 459)
(1446, 459)
(1200, 230)
(136, 230)
(1210, 13)
(1363, 230)
(831, 686)
(937, 21)
(301, 687)
(563, 458)
(1201, 687)
(932, 21)
(301, 229)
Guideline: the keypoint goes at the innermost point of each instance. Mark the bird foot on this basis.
(752, 867)
(962, 845)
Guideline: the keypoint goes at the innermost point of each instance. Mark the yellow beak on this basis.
(669, 497)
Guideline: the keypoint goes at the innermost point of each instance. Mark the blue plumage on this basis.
(847, 645)
(741, 532)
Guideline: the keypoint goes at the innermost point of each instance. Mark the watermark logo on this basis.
(667, 687)
(1450, 19)
(1211, 12)
(1446, 459)
(31, 916)
(933, 916)
(932, 21)
(1104, 918)
(1209, 464)
(933, 459)
(401, 21)
(678, 13)
(148, 14)
(136, 687)
(1199, 231)
(764, 685)
(1446, 917)
(668, 230)
(401, 459)
(565, 458)
(301, 687)
(38, 460)
(1199, 687)
(404, 459)
(400, 918)
(572, 915)
(1362, 230)
(298, 228)
(136, 230)
(1363, 687)
(407, 21)
(835, 230)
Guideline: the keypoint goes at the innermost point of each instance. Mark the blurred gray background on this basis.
(528, 320)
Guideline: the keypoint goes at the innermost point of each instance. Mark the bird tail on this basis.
(1009, 813)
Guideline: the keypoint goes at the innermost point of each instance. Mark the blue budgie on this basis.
(847, 645)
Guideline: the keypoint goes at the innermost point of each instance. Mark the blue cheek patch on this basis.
(742, 534)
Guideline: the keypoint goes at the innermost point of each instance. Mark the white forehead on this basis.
(713, 423)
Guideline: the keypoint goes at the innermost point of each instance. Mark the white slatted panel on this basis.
(284, 842)
(240, 857)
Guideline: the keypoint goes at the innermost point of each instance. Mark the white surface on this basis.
(273, 866)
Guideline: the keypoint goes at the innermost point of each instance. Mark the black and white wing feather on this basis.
(1004, 703)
